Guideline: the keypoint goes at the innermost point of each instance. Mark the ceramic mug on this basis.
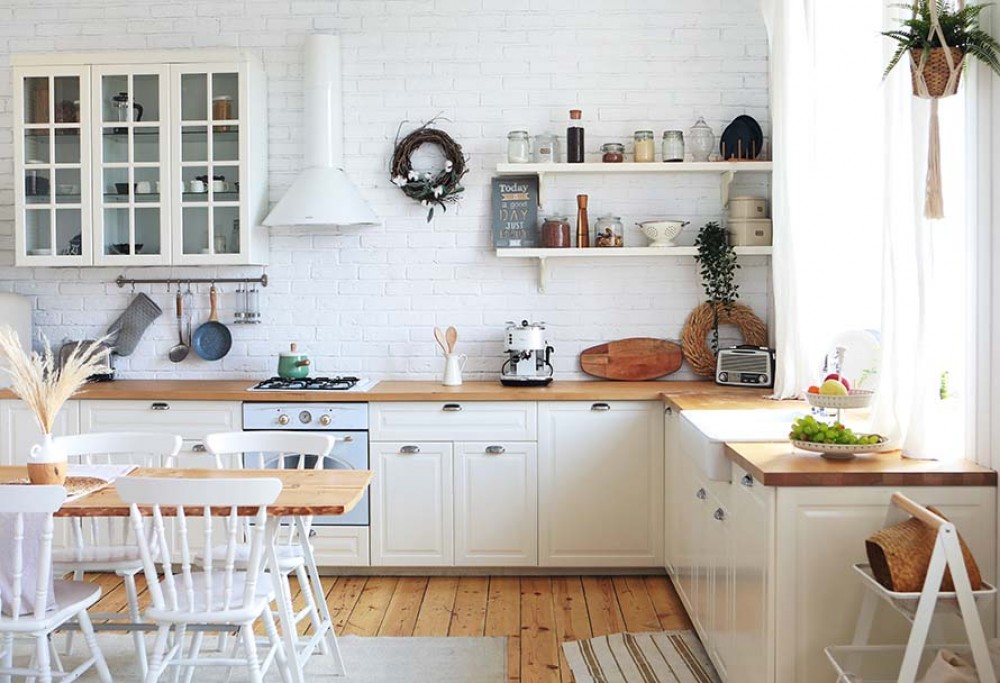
(196, 186)
(143, 187)
(454, 363)
(218, 186)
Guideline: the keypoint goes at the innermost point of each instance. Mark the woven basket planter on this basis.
(935, 73)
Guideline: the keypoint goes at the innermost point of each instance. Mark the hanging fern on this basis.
(717, 259)
(961, 29)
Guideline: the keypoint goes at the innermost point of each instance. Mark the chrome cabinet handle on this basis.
(451, 407)
(160, 406)
(198, 448)
(701, 494)
(409, 450)
(348, 439)
(747, 480)
(496, 450)
(600, 407)
(719, 515)
(668, 411)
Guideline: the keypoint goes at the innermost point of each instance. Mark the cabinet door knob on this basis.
(701, 494)
(198, 448)
(496, 450)
(719, 514)
(409, 450)
(348, 439)
(747, 480)
(668, 411)
(451, 407)
(160, 406)
(600, 407)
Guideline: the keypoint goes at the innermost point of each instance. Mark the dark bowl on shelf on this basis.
(121, 188)
(122, 249)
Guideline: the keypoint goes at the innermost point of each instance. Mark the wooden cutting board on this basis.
(637, 358)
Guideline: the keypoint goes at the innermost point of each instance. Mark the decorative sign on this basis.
(515, 211)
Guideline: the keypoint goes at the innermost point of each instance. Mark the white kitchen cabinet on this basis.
(600, 483)
(109, 149)
(453, 421)
(496, 489)
(341, 546)
(19, 431)
(412, 504)
(672, 490)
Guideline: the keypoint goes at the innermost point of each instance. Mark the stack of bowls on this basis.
(748, 222)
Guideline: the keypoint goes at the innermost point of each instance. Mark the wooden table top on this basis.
(683, 395)
(304, 492)
(780, 464)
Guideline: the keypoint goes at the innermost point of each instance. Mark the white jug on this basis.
(454, 363)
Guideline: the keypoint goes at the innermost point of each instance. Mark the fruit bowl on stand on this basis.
(854, 400)
(836, 451)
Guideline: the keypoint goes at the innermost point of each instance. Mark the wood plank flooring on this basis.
(536, 613)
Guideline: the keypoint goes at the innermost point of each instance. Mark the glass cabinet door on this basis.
(131, 153)
(209, 135)
(52, 153)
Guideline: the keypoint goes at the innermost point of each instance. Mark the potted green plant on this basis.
(934, 32)
(717, 259)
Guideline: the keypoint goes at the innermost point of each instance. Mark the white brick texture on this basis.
(366, 301)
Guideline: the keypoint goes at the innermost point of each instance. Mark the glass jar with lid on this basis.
(547, 149)
(701, 140)
(612, 152)
(673, 145)
(645, 147)
(518, 147)
(609, 232)
(556, 232)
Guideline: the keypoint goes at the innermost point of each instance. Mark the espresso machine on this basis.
(528, 353)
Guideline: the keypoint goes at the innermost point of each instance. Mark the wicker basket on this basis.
(936, 72)
(899, 556)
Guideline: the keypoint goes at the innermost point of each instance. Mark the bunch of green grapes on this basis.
(810, 429)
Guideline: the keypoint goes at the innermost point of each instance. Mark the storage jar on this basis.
(645, 147)
(556, 232)
(750, 232)
(747, 207)
(673, 145)
(546, 149)
(518, 147)
(612, 152)
(701, 140)
(609, 232)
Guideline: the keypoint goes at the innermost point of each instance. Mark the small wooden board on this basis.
(637, 358)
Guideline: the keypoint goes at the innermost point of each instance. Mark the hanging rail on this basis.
(121, 281)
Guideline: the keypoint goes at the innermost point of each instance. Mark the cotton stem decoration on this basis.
(938, 38)
(37, 379)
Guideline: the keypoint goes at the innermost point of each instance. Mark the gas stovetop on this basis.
(315, 384)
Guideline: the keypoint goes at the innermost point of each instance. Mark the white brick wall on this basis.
(365, 301)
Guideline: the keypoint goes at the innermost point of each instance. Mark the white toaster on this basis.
(745, 366)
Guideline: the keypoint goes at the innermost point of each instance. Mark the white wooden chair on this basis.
(285, 450)
(102, 544)
(186, 596)
(70, 599)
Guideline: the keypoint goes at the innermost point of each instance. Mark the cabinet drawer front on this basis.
(453, 421)
(192, 420)
(341, 546)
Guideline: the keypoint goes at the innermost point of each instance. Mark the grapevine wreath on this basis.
(428, 189)
(700, 323)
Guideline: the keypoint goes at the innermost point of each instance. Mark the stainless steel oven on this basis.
(348, 422)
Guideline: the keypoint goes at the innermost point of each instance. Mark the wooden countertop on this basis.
(777, 464)
(682, 395)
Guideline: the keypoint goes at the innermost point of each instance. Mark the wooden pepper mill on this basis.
(582, 221)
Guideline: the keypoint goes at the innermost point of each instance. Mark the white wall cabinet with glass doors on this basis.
(128, 160)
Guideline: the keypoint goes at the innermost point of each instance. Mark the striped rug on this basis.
(640, 658)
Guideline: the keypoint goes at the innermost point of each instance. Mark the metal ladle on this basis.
(181, 351)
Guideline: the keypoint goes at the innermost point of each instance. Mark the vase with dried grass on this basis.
(45, 386)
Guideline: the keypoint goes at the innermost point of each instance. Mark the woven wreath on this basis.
(429, 189)
(701, 321)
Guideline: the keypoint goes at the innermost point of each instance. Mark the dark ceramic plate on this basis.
(742, 139)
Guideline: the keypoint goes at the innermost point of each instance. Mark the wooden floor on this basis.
(536, 613)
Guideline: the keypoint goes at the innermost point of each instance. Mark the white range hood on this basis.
(322, 194)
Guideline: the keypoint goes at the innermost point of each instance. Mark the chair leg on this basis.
(180, 631)
(250, 645)
(159, 650)
(307, 590)
(138, 636)
(95, 650)
(42, 658)
(280, 657)
(8, 655)
(193, 654)
(77, 576)
(54, 654)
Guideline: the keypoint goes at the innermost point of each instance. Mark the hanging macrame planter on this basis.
(935, 73)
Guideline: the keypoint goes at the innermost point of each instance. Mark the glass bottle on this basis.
(645, 147)
(673, 145)
(555, 232)
(701, 140)
(574, 138)
(609, 232)
(546, 149)
(518, 147)
(612, 152)
(582, 221)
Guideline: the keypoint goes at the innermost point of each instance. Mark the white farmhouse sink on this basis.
(703, 434)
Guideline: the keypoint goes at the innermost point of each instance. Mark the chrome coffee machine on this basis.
(528, 352)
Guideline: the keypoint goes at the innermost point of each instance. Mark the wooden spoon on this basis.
(451, 336)
(439, 336)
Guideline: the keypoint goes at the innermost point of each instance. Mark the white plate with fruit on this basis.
(834, 441)
(835, 393)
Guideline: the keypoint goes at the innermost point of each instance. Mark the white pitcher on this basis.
(47, 463)
(454, 363)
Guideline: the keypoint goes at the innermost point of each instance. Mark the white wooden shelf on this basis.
(543, 255)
